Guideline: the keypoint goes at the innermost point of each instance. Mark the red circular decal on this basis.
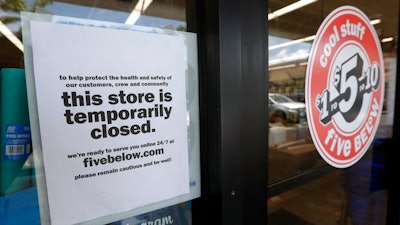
(344, 87)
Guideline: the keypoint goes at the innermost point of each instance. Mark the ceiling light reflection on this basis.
(309, 38)
(312, 37)
(140, 7)
(375, 21)
(289, 8)
(388, 39)
(11, 37)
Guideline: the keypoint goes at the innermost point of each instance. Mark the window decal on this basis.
(344, 86)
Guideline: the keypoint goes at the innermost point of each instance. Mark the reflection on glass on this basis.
(353, 196)
(18, 194)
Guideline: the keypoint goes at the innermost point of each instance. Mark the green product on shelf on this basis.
(15, 134)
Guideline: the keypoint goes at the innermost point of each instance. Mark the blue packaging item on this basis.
(15, 134)
(20, 208)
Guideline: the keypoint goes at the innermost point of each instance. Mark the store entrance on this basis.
(303, 188)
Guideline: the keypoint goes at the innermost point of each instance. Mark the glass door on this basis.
(19, 203)
(303, 187)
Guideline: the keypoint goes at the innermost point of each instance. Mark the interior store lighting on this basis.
(140, 7)
(375, 21)
(309, 38)
(11, 37)
(292, 58)
(312, 37)
(388, 39)
(289, 8)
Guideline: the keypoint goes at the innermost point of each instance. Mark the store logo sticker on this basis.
(344, 87)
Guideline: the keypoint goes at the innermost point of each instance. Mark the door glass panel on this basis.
(303, 188)
(19, 203)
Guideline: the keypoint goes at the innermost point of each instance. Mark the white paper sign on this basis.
(112, 117)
